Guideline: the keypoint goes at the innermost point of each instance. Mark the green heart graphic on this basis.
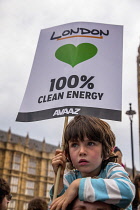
(73, 55)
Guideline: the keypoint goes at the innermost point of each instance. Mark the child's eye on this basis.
(91, 143)
(74, 145)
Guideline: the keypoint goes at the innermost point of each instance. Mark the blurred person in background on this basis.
(97, 205)
(37, 204)
(136, 201)
(5, 195)
(119, 155)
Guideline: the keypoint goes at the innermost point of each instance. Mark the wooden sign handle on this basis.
(59, 168)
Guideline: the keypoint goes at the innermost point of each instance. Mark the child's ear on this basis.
(111, 154)
(106, 158)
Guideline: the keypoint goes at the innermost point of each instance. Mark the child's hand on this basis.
(70, 194)
(59, 159)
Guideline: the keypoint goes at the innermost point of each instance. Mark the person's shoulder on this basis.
(108, 169)
(114, 166)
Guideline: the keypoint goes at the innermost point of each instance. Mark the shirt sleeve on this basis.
(67, 180)
(115, 189)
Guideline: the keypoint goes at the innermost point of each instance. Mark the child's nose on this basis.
(82, 150)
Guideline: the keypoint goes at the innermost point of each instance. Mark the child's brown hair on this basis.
(93, 128)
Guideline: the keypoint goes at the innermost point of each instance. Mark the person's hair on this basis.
(116, 149)
(4, 189)
(70, 206)
(37, 204)
(93, 128)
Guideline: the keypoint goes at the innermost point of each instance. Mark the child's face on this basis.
(86, 156)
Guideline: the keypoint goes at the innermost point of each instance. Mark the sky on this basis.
(20, 25)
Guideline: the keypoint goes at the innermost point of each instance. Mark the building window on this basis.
(16, 161)
(29, 188)
(12, 205)
(14, 184)
(50, 170)
(25, 206)
(32, 166)
(49, 186)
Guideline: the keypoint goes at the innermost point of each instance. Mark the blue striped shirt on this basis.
(112, 186)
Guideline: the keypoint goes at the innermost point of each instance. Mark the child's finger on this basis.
(56, 204)
(57, 151)
(57, 163)
(59, 157)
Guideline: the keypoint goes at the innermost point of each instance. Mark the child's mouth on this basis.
(83, 162)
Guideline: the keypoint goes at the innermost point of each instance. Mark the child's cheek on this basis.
(97, 155)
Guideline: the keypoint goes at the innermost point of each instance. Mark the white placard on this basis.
(77, 69)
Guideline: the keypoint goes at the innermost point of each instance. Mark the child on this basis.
(89, 143)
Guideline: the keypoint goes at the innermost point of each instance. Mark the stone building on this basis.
(26, 165)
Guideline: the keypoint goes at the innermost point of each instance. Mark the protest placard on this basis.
(77, 69)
